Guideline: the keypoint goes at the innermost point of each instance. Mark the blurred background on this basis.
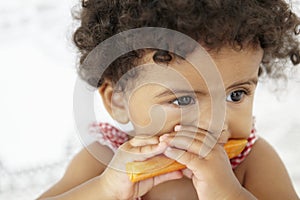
(38, 134)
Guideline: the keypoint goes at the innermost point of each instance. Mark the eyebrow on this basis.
(252, 81)
(176, 91)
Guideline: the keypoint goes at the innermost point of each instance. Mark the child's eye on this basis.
(236, 96)
(183, 101)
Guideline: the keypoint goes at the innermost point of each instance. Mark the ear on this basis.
(114, 102)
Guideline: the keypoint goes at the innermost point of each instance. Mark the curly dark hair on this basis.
(215, 23)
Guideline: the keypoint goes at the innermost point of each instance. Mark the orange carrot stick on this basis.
(158, 165)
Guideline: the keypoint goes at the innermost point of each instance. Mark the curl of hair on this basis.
(215, 23)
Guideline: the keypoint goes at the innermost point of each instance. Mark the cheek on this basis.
(240, 123)
(153, 119)
(241, 129)
(173, 117)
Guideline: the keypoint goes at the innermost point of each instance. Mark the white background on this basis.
(37, 78)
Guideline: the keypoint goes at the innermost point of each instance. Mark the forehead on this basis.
(231, 65)
(238, 65)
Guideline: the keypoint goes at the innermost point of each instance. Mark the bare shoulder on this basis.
(265, 174)
(88, 163)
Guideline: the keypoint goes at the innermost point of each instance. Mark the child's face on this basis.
(164, 96)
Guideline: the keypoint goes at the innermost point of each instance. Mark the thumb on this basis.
(167, 177)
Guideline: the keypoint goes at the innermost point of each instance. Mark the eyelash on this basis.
(192, 101)
(246, 91)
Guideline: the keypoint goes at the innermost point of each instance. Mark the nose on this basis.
(209, 116)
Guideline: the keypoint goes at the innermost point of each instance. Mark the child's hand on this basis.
(116, 180)
(206, 160)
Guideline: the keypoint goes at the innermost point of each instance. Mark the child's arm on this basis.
(110, 182)
(266, 176)
(82, 168)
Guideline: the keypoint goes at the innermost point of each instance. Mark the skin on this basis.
(147, 102)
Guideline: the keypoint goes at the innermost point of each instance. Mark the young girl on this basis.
(177, 107)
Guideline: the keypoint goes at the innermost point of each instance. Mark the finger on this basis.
(191, 135)
(167, 177)
(140, 153)
(193, 145)
(187, 173)
(194, 129)
(143, 140)
(190, 160)
(198, 130)
(193, 132)
(127, 153)
(205, 138)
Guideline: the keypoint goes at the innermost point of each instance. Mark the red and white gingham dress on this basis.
(108, 135)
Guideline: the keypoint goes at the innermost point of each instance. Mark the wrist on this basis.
(104, 188)
(110, 190)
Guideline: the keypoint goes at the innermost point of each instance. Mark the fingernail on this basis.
(169, 149)
(177, 128)
(163, 137)
(161, 144)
